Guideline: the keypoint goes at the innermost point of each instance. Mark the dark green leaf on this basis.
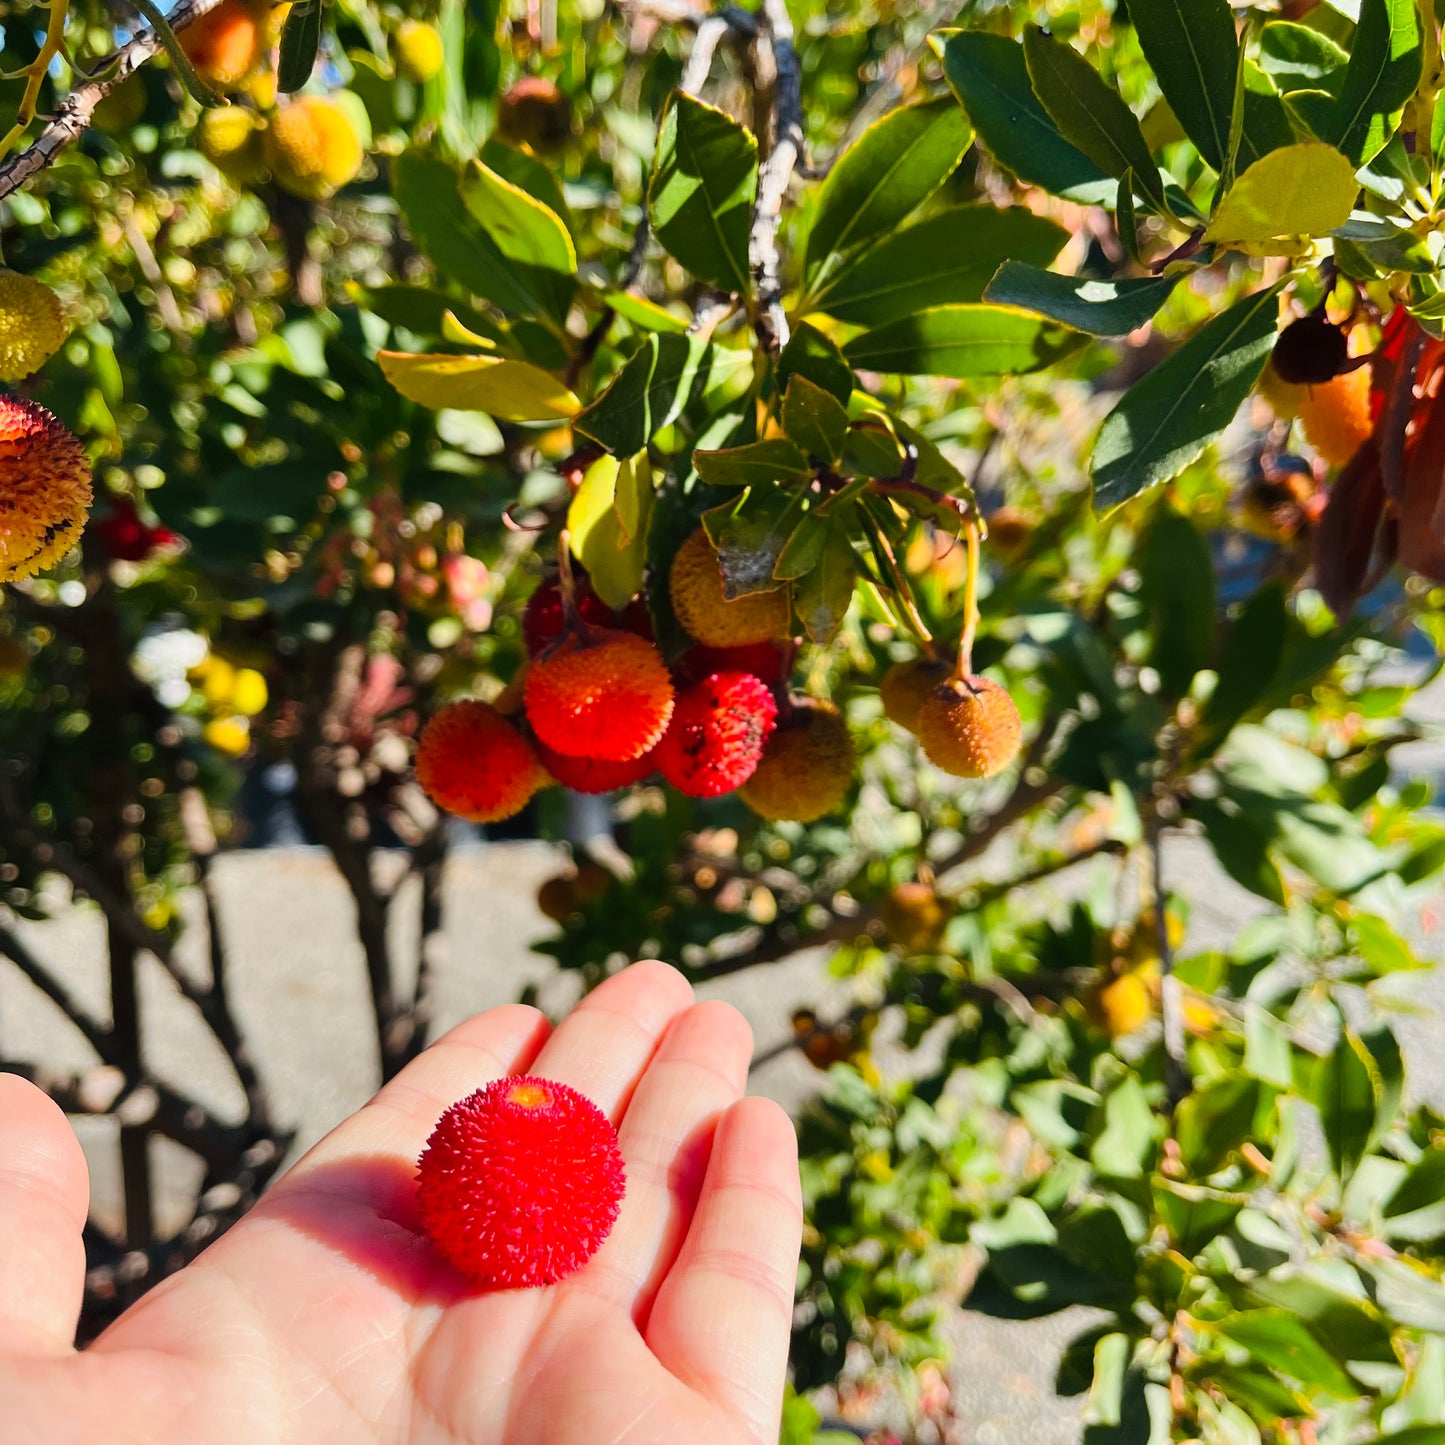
(1192, 47)
(1382, 74)
(300, 40)
(990, 77)
(1296, 57)
(944, 259)
(1213, 1121)
(823, 596)
(429, 200)
(871, 449)
(1102, 308)
(762, 463)
(529, 235)
(648, 394)
(1277, 1339)
(1342, 1089)
(882, 178)
(1166, 420)
(814, 419)
(1421, 1188)
(700, 198)
(1348, 1326)
(962, 341)
(809, 353)
(1177, 587)
(1248, 663)
(1266, 122)
(195, 87)
(1241, 846)
(1091, 114)
(1194, 1214)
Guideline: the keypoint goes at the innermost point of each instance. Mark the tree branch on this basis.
(74, 113)
(776, 36)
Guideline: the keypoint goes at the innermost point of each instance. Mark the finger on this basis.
(604, 1044)
(700, 1068)
(401, 1115)
(44, 1195)
(723, 1315)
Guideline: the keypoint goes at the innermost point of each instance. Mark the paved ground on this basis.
(300, 994)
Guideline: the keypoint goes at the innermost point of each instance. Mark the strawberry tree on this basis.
(965, 484)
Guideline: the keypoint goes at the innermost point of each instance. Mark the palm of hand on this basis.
(324, 1315)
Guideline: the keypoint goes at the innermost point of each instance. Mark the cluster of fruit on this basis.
(599, 708)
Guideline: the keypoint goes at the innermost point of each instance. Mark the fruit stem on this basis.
(572, 619)
(900, 588)
(970, 604)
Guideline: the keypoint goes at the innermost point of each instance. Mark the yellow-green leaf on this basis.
(509, 390)
(607, 521)
(1300, 190)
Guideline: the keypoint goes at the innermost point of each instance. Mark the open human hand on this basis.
(325, 1315)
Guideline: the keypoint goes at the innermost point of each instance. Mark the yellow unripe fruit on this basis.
(1336, 415)
(1127, 1004)
(914, 917)
(216, 679)
(32, 325)
(905, 686)
(705, 614)
(1283, 396)
(249, 693)
(312, 148)
(230, 139)
(970, 728)
(419, 54)
(122, 107)
(806, 768)
(229, 735)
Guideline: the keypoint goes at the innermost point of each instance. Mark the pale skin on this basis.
(324, 1315)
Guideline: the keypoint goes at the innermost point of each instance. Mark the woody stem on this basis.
(970, 603)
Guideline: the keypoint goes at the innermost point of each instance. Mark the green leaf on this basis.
(824, 594)
(882, 178)
(1297, 57)
(1213, 1121)
(607, 522)
(1342, 1089)
(1101, 308)
(1167, 419)
(1345, 1323)
(1091, 114)
(762, 463)
(1192, 48)
(644, 314)
(427, 195)
(990, 76)
(1300, 190)
(962, 342)
(1383, 72)
(1422, 1187)
(814, 419)
(649, 393)
(941, 260)
(1177, 588)
(1192, 1213)
(300, 40)
(1408, 1292)
(871, 448)
(1275, 1338)
(700, 198)
(809, 353)
(749, 535)
(530, 235)
(505, 389)
(1127, 1142)
(1242, 848)
(1248, 663)
(1266, 121)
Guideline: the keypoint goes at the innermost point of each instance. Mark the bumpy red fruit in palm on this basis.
(520, 1183)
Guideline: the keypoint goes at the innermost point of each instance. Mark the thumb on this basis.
(44, 1194)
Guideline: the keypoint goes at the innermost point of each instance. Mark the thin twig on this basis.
(74, 113)
(1171, 999)
(704, 47)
